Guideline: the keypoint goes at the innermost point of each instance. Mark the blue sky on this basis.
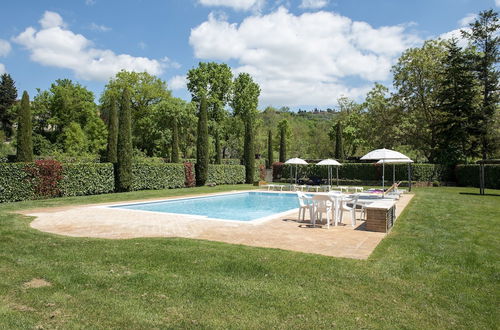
(303, 53)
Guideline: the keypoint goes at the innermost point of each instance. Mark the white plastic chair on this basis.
(322, 204)
(352, 209)
(305, 204)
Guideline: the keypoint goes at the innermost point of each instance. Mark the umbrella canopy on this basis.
(383, 154)
(330, 162)
(395, 161)
(296, 161)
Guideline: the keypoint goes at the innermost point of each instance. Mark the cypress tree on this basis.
(270, 149)
(124, 145)
(8, 96)
(111, 151)
(339, 148)
(24, 135)
(201, 167)
(283, 126)
(249, 151)
(175, 141)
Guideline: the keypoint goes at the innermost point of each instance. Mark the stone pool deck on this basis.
(284, 232)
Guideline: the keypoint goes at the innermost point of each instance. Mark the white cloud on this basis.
(305, 59)
(4, 47)
(2, 68)
(235, 4)
(497, 3)
(54, 45)
(90, 2)
(313, 4)
(98, 27)
(170, 63)
(457, 34)
(142, 45)
(469, 18)
(177, 82)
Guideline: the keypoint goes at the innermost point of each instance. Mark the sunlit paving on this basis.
(249, 164)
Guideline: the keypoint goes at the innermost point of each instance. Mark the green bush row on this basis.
(370, 172)
(14, 183)
(157, 176)
(468, 175)
(87, 179)
(226, 174)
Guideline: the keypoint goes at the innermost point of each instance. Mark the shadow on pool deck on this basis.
(282, 233)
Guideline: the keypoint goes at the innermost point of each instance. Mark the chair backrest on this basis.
(302, 198)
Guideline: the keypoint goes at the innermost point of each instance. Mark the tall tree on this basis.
(124, 147)
(24, 134)
(284, 132)
(202, 155)
(73, 140)
(175, 141)
(111, 150)
(458, 104)
(339, 146)
(484, 35)
(213, 81)
(244, 103)
(270, 149)
(8, 96)
(417, 77)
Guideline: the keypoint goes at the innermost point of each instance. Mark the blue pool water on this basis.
(245, 206)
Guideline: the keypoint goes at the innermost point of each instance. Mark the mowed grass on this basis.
(438, 268)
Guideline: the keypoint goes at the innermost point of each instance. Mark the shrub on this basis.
(226, 174)
(157, 176)
(24, 131)
(15, 183)
(468, 175)
(87, 179)
(123, 168)
(189, 180)
(277, 170)
(45, 176)
(262, 172)
(202, 147)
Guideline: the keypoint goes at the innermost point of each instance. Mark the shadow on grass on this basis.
(478, 194)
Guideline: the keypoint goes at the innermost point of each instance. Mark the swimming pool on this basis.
(244, 206)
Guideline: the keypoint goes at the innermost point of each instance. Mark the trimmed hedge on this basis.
(87, 179)
(157, 176)
(226, 174)
(370, 172)
(468, 175)
(15, 183)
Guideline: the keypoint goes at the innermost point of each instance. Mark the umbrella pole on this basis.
(393, 173)
(383, 175)
(296, 169)
(409, 177)
(337, 176)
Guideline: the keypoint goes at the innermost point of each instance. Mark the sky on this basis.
(303, 53)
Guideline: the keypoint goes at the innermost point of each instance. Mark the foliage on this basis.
(201, 166)
(189, 175)
(45, 176)
(226, 174)
(284, 133)
(175, 141)
(244, 103)
(80, 179)
(124, 146)
(157, 176)
(277, 170)
(339, 149)
(15, 183)
(111, 148)
(457, 97)
(468, 175)
(484, 36)
(270, 156)
(96, 135)
(146, 91)
(24, 134)
(73, 140)
(8, 96)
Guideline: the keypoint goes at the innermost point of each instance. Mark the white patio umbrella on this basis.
(330, 163)
(379, 154)
(394, 162)
(296, 161)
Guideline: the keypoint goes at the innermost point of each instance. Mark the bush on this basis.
(189, 180)
(87, 179)
(15, 183)
(45, 176)
(157, 176)
(226, 174)
(277, 170)
(468, 175)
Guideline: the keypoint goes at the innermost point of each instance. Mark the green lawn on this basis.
(439, 268)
